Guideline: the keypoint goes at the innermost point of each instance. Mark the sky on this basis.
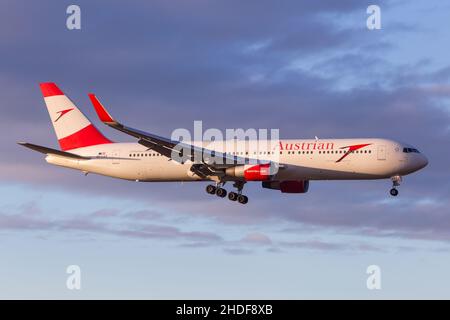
(307, 68)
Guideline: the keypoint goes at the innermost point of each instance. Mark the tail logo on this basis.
(63, 112)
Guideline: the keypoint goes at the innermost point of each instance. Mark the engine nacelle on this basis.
(252, 172)
(288, 186)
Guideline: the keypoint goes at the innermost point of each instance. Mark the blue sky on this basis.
(306, 67)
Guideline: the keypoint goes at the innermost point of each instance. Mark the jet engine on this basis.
(288, 186)
(252, 172)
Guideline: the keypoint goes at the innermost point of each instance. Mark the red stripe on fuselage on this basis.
(88, 136)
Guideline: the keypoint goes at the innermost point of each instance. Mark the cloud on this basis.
(167, 232)
(144, 215)
(21, 222)
(257, 239)
(315, 245)
(238, 251)
(107, 222)
(105, 213)
(89, 223)
(320, 245)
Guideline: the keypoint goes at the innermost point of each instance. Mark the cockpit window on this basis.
(410, 150)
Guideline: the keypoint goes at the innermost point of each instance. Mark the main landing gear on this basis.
(395, 183)
(233, 196)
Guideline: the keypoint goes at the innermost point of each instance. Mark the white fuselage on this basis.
(299, 160)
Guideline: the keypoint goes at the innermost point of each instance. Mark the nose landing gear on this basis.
(393, 192)
(395, 183)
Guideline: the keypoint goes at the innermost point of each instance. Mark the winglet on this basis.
(102, 113)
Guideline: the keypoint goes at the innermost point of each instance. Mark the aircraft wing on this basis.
(205, 161)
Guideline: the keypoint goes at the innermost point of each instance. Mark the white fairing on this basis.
(298, 159)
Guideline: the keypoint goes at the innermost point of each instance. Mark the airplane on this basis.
(288, 166)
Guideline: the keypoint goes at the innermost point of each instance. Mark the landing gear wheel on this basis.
(233, 196)
(242, 199)
(211, 189)
(394, 192)
(221, 192)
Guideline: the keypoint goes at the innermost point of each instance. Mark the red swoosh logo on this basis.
(351, 149)
(63, 112)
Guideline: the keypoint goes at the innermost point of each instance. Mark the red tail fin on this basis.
(72, 128)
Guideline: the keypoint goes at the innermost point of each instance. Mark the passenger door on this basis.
(381, 154)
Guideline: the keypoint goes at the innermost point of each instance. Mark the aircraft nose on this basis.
(423, 162)
(416, 161)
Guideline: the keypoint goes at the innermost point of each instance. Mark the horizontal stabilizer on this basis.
(46, 150)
